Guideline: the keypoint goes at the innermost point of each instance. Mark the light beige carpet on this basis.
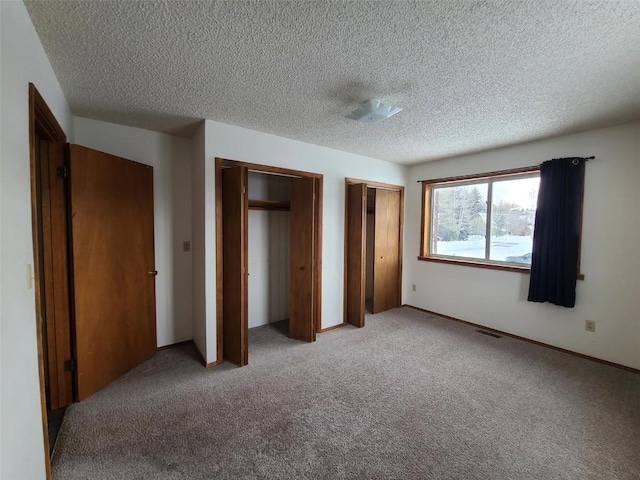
(407, 397)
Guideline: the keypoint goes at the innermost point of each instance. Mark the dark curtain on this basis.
(556, 237)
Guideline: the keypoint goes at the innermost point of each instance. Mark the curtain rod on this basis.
(512, 171)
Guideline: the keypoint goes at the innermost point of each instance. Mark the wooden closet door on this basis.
(113, 266)
(355, 254)
(386, 264)
(302, 241)
(235, 212)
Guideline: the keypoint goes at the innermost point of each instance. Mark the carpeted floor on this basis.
(407, 397)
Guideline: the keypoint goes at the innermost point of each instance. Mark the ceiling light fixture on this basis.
(372, 111)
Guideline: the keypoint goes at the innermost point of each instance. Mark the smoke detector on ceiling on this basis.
(372, 111)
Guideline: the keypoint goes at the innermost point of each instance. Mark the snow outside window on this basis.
(490, 220)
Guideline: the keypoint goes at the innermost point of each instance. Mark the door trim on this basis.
(377, 185)
(42, 119)
(221, 163)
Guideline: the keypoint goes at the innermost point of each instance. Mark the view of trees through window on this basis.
(461, 221)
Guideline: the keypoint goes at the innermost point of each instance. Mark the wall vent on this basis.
(490, 334)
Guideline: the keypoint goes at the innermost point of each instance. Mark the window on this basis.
(482, 219)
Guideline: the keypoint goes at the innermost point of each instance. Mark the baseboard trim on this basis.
(178, 344)
(524, 339)
(202, 359)
(333, 327)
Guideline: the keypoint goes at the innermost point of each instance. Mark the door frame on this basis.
(221, 163)
(382, 186)
(42, 120)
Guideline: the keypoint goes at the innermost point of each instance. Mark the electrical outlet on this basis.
(590, 325)
(186, 246)
(413, 287)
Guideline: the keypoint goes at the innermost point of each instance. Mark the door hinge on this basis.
(70, 365)
(62, 172)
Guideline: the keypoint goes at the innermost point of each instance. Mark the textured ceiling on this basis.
(470, 75)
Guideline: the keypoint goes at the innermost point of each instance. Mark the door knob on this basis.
(153, 272)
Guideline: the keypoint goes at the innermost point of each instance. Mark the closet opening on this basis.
(373, 248)
(371, 206)
(268, 254)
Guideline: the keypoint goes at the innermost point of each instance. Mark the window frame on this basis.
(427, 212)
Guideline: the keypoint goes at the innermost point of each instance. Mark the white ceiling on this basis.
(470, 75)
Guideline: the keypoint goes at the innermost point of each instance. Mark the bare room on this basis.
(319, 239)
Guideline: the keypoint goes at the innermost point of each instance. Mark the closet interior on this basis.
(268, 262)
(371, 208)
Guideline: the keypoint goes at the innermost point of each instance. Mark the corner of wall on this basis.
(198, 240)
(210, 272)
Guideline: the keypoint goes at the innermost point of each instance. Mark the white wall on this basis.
(610, 293)
(269, 267)
(22, 60)
(170, 157)
(209, 245)
(198, 260)
(235, 143)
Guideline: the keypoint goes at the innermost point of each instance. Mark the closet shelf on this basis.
(269, 205)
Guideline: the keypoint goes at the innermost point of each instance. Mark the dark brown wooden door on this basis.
(355, 254)
(113, 266)
(234, 267)
(386, 262)
(302, 241)
(55, 310)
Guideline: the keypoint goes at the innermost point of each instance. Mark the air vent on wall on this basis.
(490, 334)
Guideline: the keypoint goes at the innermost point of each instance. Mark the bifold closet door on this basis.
(235, 212)
(113, 266)
(355, 254)
(386, 263)
(302, 241)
